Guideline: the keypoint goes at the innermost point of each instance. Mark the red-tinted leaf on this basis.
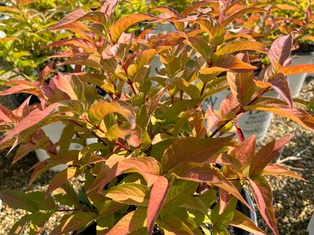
(297, 69)
(205, 173)
(45, 72)
(141, 59)
(108, 7)
(233, 64)
(7, 115)
(279, 170)
(242, 86)
(280, 84)
(87, 45)
(71, 17)
(129, 223)
(266, 154)
(148, 167)
(157, 198)
(263, 197)
(280, 50)
(238, 46)
(124, 23)
(245, 151)
(192, 150)
(226, 21)
(21, 86)
(74, 221)
(281, 108)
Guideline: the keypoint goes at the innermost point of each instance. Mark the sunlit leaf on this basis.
(266, 154)
(263, 197)
(297, 69)
(172, 224)
(157, 197)
(130, 222)
(280, 50)
(241, 46)
(241, 221)
(280, 107)
(279, 170)
(130, 194)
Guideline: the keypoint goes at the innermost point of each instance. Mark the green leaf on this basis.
(241, 221)
(192, 149)
(62, 177)
(174, 225)
(124, 23)
(74, 221)
(18, 200)
(181, 191)
(157, 197)
(66, 195)
(142, 59)
(130, 194)
(20, 224)
(190, 89)
(263, 197)
(101, 109)
(280, 107)
(130, 222)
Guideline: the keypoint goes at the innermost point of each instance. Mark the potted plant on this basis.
(281, 18)
(154, 167)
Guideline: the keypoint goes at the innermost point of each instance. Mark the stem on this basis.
(240, 111)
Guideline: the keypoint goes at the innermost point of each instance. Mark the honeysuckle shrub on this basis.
(148, 159)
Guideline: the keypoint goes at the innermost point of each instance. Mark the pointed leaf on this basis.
(280, 50)
(7, 115)
(129, 223)
(62, 177)
(266, 154)
(242, 86)
(148, 167)
(279, 170)
(17, 200)
(233, 64)
(157, 197)
(192, 149)
(238, 46)
(263, 197)
(245, 151)
(71, 17)
(129, 193)
(141, 59)
(297, 69)
(74, 221)
(280, 84)
(242, 221)
(280, 107)
(124, 23)
(181, 191)
(172, 224)
(205, 173)
(101, 109)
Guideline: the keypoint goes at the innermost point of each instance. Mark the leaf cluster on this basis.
(148, 160)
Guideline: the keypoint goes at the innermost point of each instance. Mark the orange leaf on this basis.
(276, 169)
(241, 46)
(297, 69)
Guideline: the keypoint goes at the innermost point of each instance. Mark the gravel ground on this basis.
(293, 199)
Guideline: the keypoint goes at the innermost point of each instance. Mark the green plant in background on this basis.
(282, 18)
(23, 46)
(149, 163)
